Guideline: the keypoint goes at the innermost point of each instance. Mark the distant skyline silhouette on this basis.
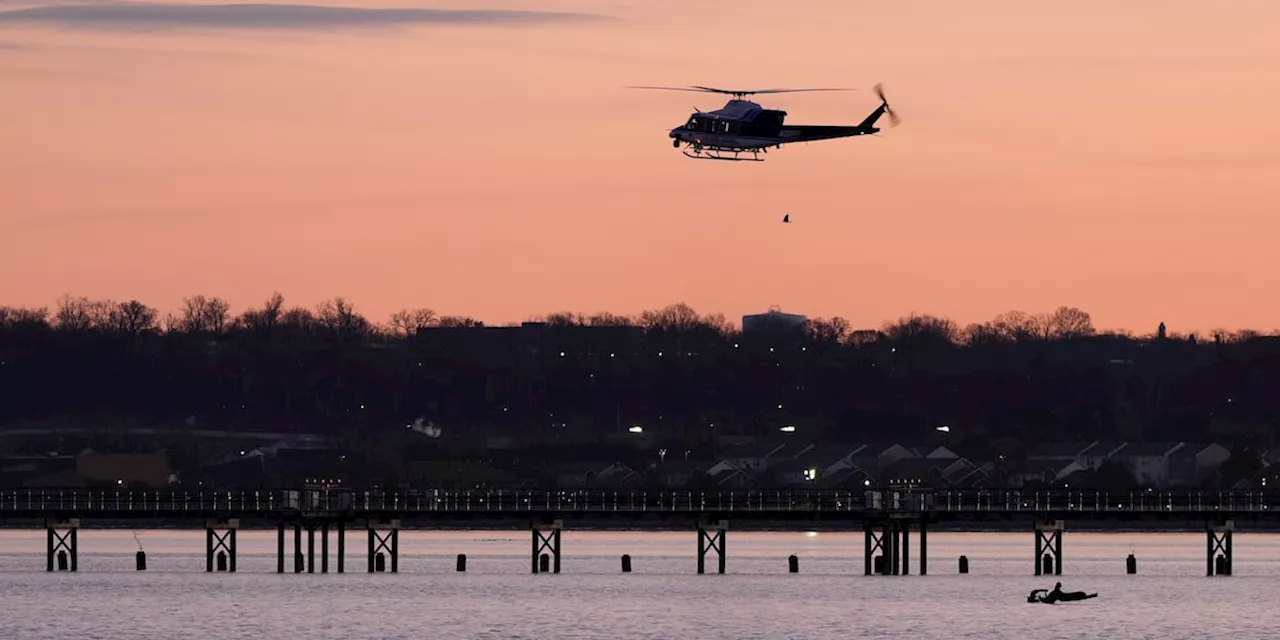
(217, 314)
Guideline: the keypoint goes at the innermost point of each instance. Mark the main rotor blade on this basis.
(694, 90)
(799, 90)
(755, 91)
(700, 89)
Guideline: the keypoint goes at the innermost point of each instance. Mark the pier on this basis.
(885, 517)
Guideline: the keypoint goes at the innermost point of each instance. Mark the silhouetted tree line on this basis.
(685, 377)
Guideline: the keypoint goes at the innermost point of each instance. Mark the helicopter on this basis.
(743, 126)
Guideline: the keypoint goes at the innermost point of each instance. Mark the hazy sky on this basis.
(1122, 157)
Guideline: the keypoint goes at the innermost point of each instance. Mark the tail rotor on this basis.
(893, 117)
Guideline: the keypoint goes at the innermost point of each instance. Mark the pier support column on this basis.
(904, 529)
(924, 546)
(297, 547)
(342, 545)
(890, 540)
(1049, 547)
(383, 544)
(546, 537)
(306, 561)
(1218, 549)
(874, 540)
(324, 547)
(62, 548)
(311, 547)
(280, 547)
(220, 544)
(712, 534)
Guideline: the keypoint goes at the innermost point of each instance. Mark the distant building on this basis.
(772, 321)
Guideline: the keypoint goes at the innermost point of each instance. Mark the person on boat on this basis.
(1056, 594)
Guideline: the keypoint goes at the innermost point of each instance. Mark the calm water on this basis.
(661, 598)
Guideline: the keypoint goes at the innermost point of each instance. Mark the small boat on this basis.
(1043, 595)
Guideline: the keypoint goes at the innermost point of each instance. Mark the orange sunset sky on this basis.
(1121, 157)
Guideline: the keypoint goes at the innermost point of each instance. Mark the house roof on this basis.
(967, 475)
(616, 470)
(851, 476)
(1148, 448)
(766, 449)
(1107, 447)
(922, 468)
(582, 468)
(937, 453)
(1060, 449)
(795, 464)
(1192, 449)
(959, 468)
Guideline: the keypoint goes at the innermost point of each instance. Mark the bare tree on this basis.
(982, 333)
(606, 319)
(407, 322)
(22, 316)
(132, 318)
(340, 318)
(922, 328)
(718, 323)
(270, 315)
(298, 318)
(1068, 322)
(78, 314)
(1245, 335)
(460, 321)
(864, 337)
(827, 330)
(1016, 326)
(678, 317)
(200, 314)
(564, 319)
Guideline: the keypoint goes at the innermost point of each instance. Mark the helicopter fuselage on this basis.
(745, 125)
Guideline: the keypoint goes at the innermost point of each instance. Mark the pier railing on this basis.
(426, 501)
(1104, 501)
(433, 501)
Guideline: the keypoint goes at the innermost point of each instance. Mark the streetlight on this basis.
(788, 429)
(635, 428)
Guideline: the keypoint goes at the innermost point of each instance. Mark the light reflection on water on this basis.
(661, 598)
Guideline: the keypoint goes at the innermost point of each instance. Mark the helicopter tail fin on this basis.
(870, 120)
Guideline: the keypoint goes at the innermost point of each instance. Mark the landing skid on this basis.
(722, 153)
